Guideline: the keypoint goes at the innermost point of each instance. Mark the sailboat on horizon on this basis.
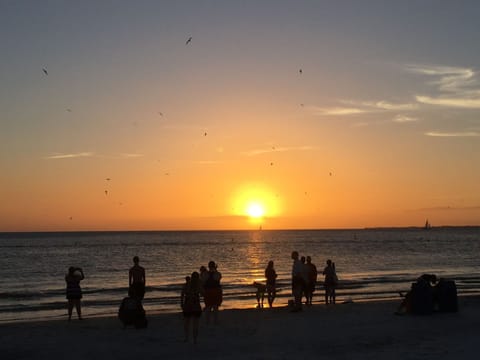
(427, 226)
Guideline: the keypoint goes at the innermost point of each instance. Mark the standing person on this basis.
(312, 279)
(330, 282)
(136, 280)
(203, 274)
(213, 291)
(305, 279)
(271, 277)
(190, 303)
(74, 292)
(297, 282)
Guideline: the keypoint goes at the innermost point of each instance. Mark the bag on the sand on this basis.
(421, 298)
(447, 296)
(131, 312)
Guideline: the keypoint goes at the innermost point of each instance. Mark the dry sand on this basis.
(343, 331)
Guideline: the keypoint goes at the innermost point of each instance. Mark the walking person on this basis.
(74, 291)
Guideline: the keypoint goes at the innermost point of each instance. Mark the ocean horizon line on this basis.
(146, 231)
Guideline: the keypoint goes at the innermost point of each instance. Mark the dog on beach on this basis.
(260, 293)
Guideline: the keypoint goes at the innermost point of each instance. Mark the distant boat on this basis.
(427, 225)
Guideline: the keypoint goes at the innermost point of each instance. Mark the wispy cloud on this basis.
(449, 78)
(360, 107)
(450, 101)
(272, 149)
(336, 111)
(454, 86)
(385, 105)
(70, 156)
(453, 134)
(404, 119)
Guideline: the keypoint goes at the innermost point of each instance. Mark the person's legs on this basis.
(215, 314)
(70, 309)
(195, 329)
(78, 307)
(186, 326)
(297, 294)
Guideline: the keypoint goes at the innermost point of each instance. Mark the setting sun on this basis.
(255, 210)
(255, 201)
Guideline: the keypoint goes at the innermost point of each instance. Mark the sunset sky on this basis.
(306, 114)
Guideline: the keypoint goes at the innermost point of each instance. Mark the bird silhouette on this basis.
(300, 71)
(188, 41)
(106, 192)
(45, 71)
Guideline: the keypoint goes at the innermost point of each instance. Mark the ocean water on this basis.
(371, 264)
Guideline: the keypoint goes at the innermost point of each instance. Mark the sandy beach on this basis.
(344, 331)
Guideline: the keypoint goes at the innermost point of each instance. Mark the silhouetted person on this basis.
(271, 277)
(136, 280)
(311, 279)
(424, 282)
(297, 281)
(131, 312)
(190, 303)
(74, 291)
(330, 282)
(212, 291)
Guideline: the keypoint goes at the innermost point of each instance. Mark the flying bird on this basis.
(106, 192)
(45, 71)
(300, 71)
(188, 41)
(108, 179)
(204, 134)
(69, 110)
(160, 113)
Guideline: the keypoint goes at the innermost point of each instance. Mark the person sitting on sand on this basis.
(212, 291)
(190, 303)
(271, 277)
(405, 306)
(260, 293)
(74, 292)
(136, 280)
